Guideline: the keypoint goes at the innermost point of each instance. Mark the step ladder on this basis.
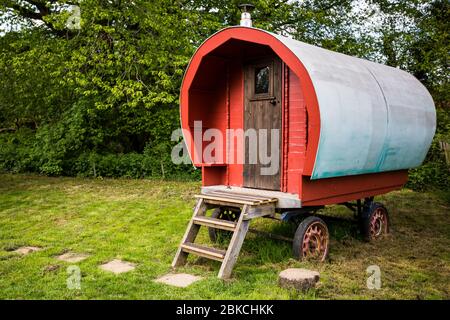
(251, 207)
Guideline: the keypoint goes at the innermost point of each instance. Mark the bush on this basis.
(130, 165)
(15, 151)
(55, 153)
(428, 176)
(435, 172)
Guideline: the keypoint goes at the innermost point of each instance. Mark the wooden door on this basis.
(262, 86)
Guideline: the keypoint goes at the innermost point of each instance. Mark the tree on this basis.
(105, 95)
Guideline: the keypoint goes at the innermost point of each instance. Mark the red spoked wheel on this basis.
(311, 240)
(375, 222)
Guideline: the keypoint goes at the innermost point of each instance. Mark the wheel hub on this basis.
(378, 223)
(315, 242)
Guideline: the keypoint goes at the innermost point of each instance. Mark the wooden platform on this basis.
(250, 207)
(284, 199)
(235, 197)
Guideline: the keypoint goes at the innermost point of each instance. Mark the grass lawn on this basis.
(142, 221)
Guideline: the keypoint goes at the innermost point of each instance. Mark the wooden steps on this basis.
(251, 206)
(204, 251)
(215, 223)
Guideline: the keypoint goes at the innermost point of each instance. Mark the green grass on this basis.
(142, 221)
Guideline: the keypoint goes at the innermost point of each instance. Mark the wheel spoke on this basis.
(378, 223)
(315, 241)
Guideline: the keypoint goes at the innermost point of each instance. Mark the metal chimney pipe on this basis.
(246, 18)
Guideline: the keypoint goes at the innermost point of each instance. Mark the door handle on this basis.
(273, 101)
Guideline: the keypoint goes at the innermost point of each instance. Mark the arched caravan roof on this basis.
(363, 117)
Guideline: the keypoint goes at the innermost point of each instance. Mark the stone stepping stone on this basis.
(26, 250)
(299, 279)
(72, 257)
(181, 280)
(118, 266)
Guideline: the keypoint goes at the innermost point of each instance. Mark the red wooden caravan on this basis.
(349, 128)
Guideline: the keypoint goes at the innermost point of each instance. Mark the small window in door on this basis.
(262, 78)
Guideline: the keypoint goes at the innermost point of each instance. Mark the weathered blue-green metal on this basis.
(373, 118)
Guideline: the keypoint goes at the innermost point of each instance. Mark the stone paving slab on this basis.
(118, 266)
(181, 280)
(72, 257)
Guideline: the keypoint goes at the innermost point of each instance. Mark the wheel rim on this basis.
(378, 223)
(315, 242)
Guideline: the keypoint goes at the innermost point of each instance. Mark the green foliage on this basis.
(108, 92)
(15, 151)
(435, 172)
(102, 100)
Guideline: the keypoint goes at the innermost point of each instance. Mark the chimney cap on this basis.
(247, 7)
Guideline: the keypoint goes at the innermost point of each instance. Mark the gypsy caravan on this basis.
(346, 130)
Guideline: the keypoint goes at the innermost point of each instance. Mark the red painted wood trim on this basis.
(228, 120)
(260, 37)
(285, 126)
(348, 188)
